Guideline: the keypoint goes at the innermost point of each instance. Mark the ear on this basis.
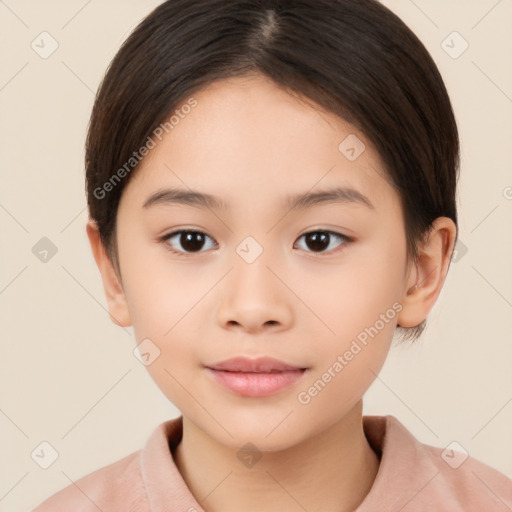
(116, 299)
(427, 275)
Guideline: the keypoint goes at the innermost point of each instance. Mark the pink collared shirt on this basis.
(412, 477)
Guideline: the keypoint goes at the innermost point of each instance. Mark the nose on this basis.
(254, 298)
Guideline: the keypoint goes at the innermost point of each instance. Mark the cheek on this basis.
(356, 294)
(159, 291)
(348, 361)
(336, 387)
(359, 308)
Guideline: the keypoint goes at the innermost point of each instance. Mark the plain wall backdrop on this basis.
(68, 374)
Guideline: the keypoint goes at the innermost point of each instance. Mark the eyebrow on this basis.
(343, 195)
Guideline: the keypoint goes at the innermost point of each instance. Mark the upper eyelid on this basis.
(191, 230)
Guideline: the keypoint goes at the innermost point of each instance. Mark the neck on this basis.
(332, 471)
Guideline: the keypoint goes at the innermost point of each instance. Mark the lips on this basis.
(255, 378)
(259, 365)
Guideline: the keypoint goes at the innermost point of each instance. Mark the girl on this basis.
(272, 195)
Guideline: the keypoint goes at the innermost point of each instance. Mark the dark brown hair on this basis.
(354, 58)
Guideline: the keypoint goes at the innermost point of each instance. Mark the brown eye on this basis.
(319, 241)
(186, 241)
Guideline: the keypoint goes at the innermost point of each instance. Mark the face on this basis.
(315, 284)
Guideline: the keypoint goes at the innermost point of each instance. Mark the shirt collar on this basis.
(396, 483)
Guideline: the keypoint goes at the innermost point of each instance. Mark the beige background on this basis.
(68, 375)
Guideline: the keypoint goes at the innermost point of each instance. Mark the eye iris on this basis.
(189, 240)
(318, 240)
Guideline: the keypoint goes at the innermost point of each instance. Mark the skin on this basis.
(252, 144)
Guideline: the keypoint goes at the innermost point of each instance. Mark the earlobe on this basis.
(427, 275)
(116, 298)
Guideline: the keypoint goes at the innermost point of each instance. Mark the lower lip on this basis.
(256, 384)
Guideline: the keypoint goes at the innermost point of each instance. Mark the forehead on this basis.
(248, 138)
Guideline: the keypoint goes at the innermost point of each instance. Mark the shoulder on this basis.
(116, 486)
(418, 477)
(466, 483)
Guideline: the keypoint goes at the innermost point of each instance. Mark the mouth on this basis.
(260, 377)
(272, 371)
(268, 365)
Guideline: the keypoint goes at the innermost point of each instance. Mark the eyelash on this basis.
(164, 239)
